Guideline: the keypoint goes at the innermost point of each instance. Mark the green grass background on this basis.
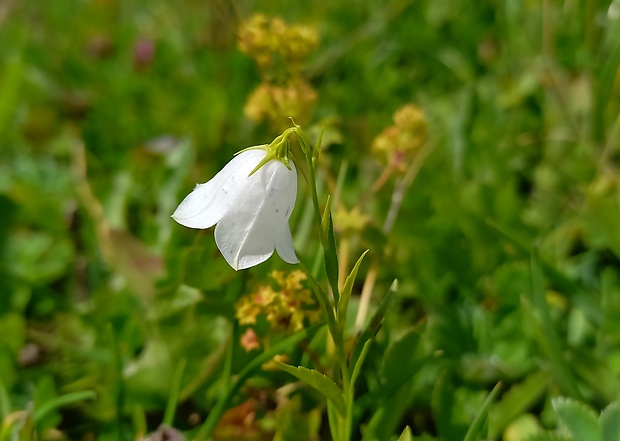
(506, 249)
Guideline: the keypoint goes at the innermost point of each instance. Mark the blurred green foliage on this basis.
(506, 247)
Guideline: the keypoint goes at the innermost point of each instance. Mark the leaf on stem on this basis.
(318, 381)
(477, 426)
(345, 294)
(406, 435)
(329, 248)
(375, 322)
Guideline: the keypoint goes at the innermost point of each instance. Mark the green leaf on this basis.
(476, 428)
(406, 435)
(400, 362)
(360, 361)
(610, 422)
(61, 401)
(388, 414)
(329, 248)
(320, 382)
(345, 294)
(291, 420)
(579, 419)
(516, 401)
(18, 426)
(547, 436)
(546, 332)
(375, 322)
(207, 428)
(175, 389)
(5, 401)
(449, 426)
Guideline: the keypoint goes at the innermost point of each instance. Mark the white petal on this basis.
(210, 201)
(257, 221)
(284, 246)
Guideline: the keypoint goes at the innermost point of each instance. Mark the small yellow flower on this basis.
(275, 104)
(398, 144)
(286, 307)
(350, 220)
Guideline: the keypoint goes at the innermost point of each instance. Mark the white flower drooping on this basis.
(250, 200)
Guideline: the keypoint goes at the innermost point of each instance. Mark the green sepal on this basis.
(345, 293)
(320, 382)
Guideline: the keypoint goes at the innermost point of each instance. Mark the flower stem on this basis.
(341, 429)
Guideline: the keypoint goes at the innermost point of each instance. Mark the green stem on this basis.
(342, 431)
(311, 173)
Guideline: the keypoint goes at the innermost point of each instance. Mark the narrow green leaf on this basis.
(333, 419)
(138, 418)
(61, 401)
(442, 405)
(516, 401)
(329, 248)
(175, 389)
(324, 303)
(580, 421)
(610, 422)
(360, 362)
(345, 294)
(320, 382)
(406, 435)
(547, 334)
(375, 322)
(475, 430)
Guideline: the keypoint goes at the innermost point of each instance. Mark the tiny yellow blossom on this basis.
(399, 143)
(350, 220)
(286, 307)
(275, 104)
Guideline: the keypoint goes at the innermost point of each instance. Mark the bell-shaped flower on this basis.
(250, 200)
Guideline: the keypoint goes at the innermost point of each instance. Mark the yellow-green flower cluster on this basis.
(280, 51)
(286, 304)
(350, 220)
(399, 143)
(270, 102)
(265, 39)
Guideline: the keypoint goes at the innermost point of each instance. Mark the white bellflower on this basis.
(250, 200)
